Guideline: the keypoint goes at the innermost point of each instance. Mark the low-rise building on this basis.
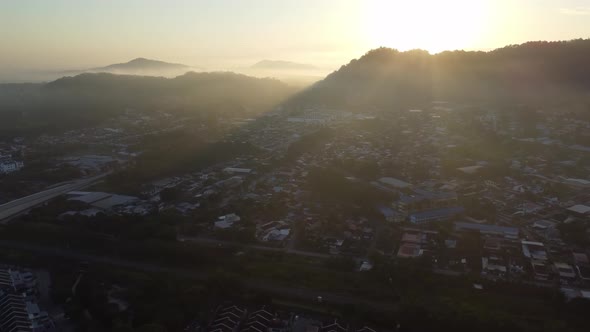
(424, 200)
(493, 266)
(493, 230)
(227, 221)
(9, 166)
(534, 250)
(441, 214)
(565, 272)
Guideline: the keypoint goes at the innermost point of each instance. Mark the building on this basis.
(227, 319)
(493, 266)
(580, 210)
(227, 221)
(19, 313)
(334, 327)
(394, 183)
(9, 166)
(470, 169)
(233, 170)
(258, 321)
(100, 200)
(423, 200)
(410, 250)
(541, 271)
(566, 273)
(493, 230)
(273, 231)
(534, 250)
(436, 215)
(18, 281)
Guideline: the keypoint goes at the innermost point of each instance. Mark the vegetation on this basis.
(88, 99)
(529, 73)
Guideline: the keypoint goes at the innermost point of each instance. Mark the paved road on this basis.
(18, 206)
(266, 286)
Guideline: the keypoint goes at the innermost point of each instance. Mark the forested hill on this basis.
(534, 72)
(88, 98)
(188, 90)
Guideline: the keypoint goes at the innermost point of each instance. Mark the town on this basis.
(460, 190)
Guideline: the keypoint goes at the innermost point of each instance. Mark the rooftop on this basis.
(484, 228)
(580, 208)
(436, 214)
(394, 182)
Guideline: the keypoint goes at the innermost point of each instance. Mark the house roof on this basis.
(580, 208)
(394, 182)
(409, 250)
(581, 258)
(484, 228)
(435, 214)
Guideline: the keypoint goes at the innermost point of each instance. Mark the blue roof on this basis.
(431, 215)
(487, 228)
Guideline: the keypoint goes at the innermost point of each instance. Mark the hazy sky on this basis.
(222, 34)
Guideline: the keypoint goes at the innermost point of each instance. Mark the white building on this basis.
(227, 221)
(9, 166)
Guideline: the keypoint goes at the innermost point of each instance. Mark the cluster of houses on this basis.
(505, 254)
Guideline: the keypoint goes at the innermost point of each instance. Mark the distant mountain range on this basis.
(534, 73)
(538, 74)
(282, 65)
(143, 64)
(139, 66)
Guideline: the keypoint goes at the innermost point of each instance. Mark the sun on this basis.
(432, 25)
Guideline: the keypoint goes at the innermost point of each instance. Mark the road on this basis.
(18, 206)
(266, 286)
(221, 243)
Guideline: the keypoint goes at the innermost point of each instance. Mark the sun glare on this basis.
(431, 25)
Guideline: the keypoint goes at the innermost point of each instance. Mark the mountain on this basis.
(139, 66)
(537, 73)
(282, 65)
(87, 99)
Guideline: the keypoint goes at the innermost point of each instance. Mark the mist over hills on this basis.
(534, 72)
(293, 73)
(87, 99)
(282, 65)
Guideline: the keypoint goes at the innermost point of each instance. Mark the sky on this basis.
(38, 35)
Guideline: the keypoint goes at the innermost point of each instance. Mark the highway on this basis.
(18, 206)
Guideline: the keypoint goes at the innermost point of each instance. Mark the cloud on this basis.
(575, 11)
